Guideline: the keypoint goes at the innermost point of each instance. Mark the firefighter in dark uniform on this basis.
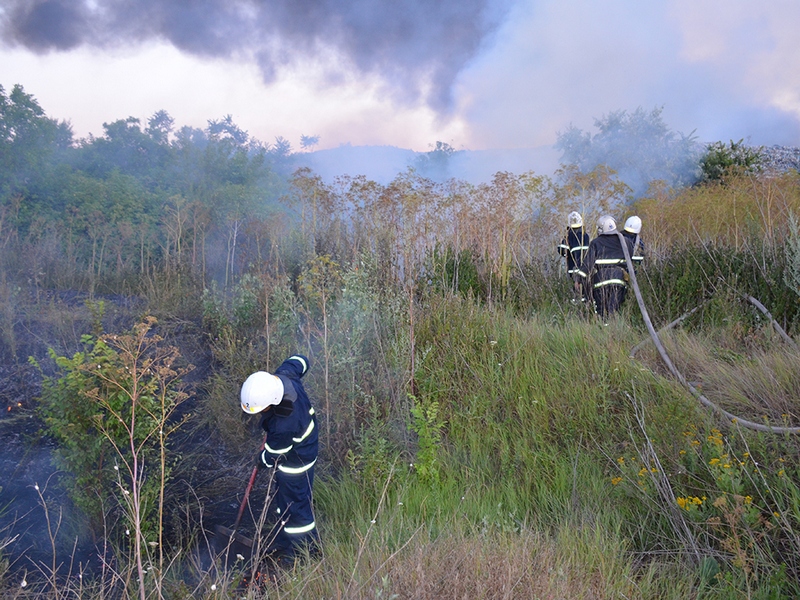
(574, 247)
(632, 233)
(606, 269)
(291, 449)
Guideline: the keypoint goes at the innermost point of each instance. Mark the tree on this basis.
(111, 410)
(721, 160)
(159, 126)
(28, 142)
(124, 147)
(435, 164)
(308, 141)
(638, 146)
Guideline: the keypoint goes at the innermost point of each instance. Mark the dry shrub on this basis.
(745, 378)
(746, 208)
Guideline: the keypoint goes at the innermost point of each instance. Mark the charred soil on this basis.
(208, 479)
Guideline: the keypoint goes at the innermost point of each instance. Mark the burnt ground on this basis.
(205, 496)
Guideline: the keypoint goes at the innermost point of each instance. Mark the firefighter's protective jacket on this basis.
(605, 261)
(636, 247)
(574, 247)
(292, 436)
(291, 446)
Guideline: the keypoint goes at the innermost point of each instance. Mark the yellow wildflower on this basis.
(714, 461)
(615, 480)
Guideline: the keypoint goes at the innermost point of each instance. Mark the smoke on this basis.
(725, 71)
(417, 46)
(498, 74)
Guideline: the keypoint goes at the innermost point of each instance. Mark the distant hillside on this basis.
(383, 163)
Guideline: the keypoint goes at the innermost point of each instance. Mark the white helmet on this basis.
(606, 224)
(575, 219)
(633, 224)
(261, 390)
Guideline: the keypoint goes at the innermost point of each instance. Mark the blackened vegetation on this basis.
(58, 321)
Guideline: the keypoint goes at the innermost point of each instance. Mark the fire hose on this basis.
(673, 369)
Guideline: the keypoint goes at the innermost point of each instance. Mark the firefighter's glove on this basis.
(264, 460)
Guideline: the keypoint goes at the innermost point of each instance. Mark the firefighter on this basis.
(291, 448)
(574, 247)
(606, 269)
(631, 232)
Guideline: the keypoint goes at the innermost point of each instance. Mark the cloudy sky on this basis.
(478, 74)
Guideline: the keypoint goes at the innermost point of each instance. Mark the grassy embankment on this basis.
(489, 449)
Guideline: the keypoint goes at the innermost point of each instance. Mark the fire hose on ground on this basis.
(678, 375)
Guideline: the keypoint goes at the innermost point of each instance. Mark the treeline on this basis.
(94, 212)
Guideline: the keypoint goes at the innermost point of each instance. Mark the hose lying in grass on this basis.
(666, 327)
(667, 361)
(775, 324)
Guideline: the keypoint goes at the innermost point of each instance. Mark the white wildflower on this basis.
(213, 587)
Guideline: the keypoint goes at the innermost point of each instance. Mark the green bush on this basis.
(110, 411)
(721, 160)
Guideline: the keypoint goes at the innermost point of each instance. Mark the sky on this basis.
(476, 74)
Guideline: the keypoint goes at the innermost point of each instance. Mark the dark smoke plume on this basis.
(418, 46)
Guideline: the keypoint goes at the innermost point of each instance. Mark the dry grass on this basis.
(753, 380)
(585, 563)
(746, 208)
